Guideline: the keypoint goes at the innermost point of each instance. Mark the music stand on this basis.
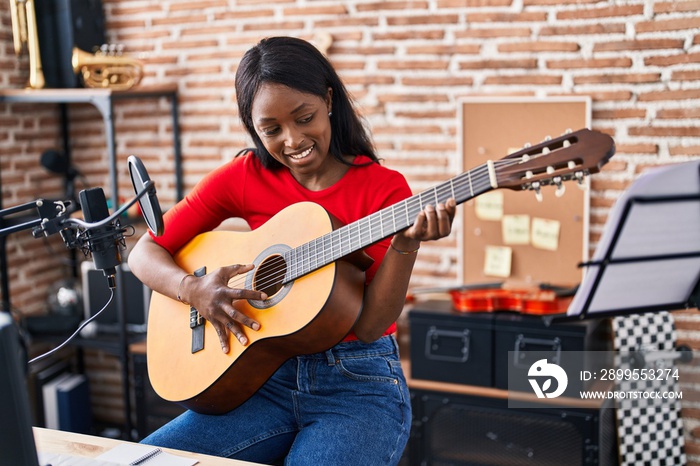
(648, 258)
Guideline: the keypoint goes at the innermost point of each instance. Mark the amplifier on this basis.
(451, 347)
(519, 340)
(460, 430)
(478, 348)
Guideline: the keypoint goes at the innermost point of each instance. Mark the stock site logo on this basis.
(540, 376)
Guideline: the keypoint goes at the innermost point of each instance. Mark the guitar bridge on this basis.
(197, 321)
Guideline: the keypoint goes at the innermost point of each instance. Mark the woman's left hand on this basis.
(433, 222)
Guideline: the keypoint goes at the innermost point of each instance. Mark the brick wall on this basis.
(407, 63)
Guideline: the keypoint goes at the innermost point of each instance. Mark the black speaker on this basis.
(460, 430)
(62, 25)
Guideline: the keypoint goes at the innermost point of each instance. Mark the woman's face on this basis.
(294, 127)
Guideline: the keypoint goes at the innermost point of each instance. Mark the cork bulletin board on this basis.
(508, 235)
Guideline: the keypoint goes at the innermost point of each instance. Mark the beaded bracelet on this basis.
(404, 253)
(179, 286)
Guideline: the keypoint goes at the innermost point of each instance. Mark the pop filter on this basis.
(148, 202)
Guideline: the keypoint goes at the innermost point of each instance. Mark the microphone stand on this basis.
(47, 211)
(53, 219)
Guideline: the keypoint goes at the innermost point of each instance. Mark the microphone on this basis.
(102, 242)
(55, 162)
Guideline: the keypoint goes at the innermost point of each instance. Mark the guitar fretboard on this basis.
(368, 230)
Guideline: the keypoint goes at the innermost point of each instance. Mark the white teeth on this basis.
(303, 154)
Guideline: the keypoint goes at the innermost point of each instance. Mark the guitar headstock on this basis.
(571, 156)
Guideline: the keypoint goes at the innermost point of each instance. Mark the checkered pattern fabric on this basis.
(650, 432)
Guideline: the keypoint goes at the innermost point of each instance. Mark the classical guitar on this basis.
(311, 269)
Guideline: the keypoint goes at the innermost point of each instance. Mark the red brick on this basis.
(179, 19)
(669, 60)
(540, 46)
(422, 19)
(667, 25)
(344, 22)
(367, 80)
(575, 30)
(411, 98)
(442, 49)
(487, 33)
(472, 3)
(506, 17)
(639, 148)
(409, 35)
(528, 3)
(676, 6)
(619, 113)
(685, 150)
(665, 131)
(278, 27)
(678, 113)
(198, 5)
(541, 80)
(624, 11)
(670, 95)
(614, 62)
(412, 65)
(379, 6)
(524, 63)
(239, 14)
(639, 44)
(427, 114)
(438, 81)
(332, 9)
(364, 50)
(618, 78)
(685, 75)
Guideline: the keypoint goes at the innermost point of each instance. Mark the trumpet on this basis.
(107, 68)
(24, 31)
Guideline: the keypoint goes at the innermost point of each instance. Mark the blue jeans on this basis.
(346, 406)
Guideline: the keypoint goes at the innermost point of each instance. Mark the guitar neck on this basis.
(368, 230)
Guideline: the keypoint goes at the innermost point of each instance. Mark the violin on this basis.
(523, 301)
(543, 299)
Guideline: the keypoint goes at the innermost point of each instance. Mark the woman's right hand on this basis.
(213, 299)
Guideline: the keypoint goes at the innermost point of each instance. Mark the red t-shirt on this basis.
(243, 188)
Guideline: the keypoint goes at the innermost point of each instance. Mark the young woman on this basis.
(348, 405)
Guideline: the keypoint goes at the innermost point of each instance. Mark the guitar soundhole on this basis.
(269, 276)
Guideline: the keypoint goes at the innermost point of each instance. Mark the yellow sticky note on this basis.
(497, 261)
(489, 206)
(516, 229)
(545, 234)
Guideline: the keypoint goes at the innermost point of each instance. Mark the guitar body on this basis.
(307, 315)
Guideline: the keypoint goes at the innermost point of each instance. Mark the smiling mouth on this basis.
(302, 155)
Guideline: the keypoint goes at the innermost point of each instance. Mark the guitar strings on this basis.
(456, 184)
(462, 184)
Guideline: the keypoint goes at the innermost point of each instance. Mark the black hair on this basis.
(297, 64)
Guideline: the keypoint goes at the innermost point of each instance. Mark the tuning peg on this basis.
(580, 180)
(561, 188)
(538, 192)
